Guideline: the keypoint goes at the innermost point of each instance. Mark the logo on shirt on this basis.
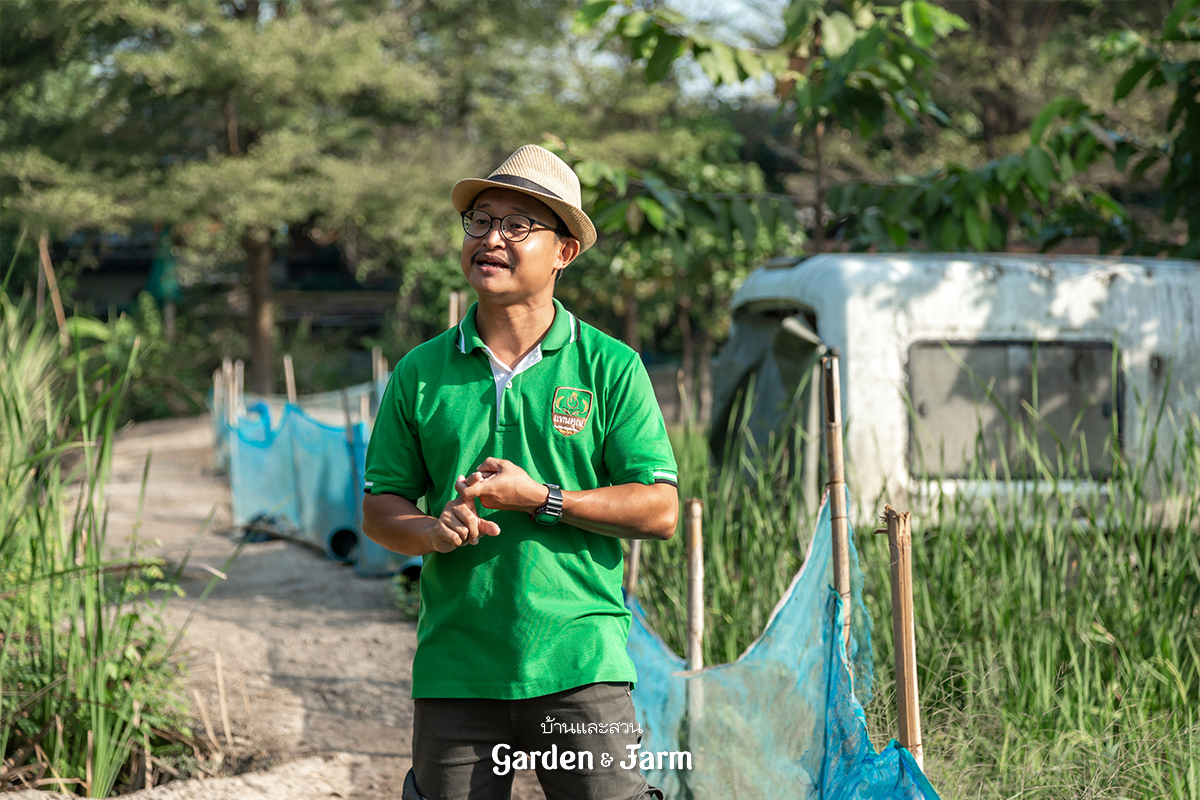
(569, 409)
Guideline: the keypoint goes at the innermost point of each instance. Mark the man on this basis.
(537, 444)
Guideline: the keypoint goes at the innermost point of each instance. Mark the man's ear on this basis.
(568, 249)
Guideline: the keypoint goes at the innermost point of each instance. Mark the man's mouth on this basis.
(491, 262)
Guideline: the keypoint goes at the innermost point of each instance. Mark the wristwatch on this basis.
(551, 511)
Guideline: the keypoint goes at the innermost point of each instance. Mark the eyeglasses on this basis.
(513, 227)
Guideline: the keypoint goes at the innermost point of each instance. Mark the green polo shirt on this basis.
(537, 609)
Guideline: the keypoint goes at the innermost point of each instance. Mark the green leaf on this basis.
(838, 34)
(590, 172)
(719, 64)
(589, 15)
(976, 234)
(1009, 171)
(78, 327)
(747, 225)
(1044, 117)
(915, 16)
(1132, 77)
(751, 63)
(654, 212)
(768, 214)
(1147, 161)
(1121, 157)
(609, 218)
(1040, 166)
(666, 199)
(666, 51)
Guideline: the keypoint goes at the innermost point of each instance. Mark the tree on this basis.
(232, 121)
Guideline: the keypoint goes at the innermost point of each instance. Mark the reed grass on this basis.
(1058, 621)
(85, 685)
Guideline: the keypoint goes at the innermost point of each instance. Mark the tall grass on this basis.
(85, 687)
(1058, 623)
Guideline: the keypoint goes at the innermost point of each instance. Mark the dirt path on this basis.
(317, 660)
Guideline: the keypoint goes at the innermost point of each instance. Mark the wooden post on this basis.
(453, 316)
(353, 460)
(840, 523)
(899, 533)
(218, 393)
(239, 387)
(52, 285)
(364, 408)
(377, 370)
(289, 378)
(230, 406)
(631, 571)
(695, 567)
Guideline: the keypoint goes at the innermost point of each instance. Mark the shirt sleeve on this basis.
(394, 461)
(636, 446)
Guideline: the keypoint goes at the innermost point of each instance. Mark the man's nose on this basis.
(494, 230)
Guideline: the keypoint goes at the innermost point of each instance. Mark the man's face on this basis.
(513, 272)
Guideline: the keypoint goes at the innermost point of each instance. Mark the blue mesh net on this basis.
(783, 721)
(293, 465)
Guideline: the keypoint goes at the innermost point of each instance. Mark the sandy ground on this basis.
(317, 661)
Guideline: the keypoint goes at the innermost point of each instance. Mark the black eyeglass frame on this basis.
(492, 220)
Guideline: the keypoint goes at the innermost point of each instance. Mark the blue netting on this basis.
(305, 474)
(783, 720)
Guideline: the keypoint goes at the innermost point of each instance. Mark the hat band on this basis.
(523, 183)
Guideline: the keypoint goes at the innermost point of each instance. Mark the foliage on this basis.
(1172, 59)
(85, 685)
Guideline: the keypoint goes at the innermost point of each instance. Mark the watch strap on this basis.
(551, 511)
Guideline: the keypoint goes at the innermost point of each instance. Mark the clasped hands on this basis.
(497, 484)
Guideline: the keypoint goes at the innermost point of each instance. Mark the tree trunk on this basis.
(687, 388)
(631, 333)
(257, 243)
(704, 375)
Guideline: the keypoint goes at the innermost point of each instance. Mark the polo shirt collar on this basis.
(564, 330)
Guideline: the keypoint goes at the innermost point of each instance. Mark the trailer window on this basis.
(983, 405)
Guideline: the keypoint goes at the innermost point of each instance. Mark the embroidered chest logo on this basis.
(569, 409)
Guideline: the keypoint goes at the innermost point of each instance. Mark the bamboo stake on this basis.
(289, 377)
(221, 699)
(631, 573)
(377, 369)
(52, 285)
(899, 533)
(218, 392)
(91, 743)
(837, 489)
(453, 316)
(230, 411)
(695, 567)
(208, 728)
(694, 525)
(239, 388)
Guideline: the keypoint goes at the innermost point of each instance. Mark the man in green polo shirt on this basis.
(537, 443)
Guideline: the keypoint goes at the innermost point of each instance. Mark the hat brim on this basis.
(577, 222)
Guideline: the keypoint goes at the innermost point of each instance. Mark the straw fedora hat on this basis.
(539, 173)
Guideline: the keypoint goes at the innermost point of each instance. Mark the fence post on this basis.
(289, 377)
(899, 533)
(839, 522)
(694, 528)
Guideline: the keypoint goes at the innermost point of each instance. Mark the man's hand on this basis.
(458, 523)
(503, 486)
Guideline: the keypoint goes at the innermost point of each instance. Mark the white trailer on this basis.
(948, 360)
